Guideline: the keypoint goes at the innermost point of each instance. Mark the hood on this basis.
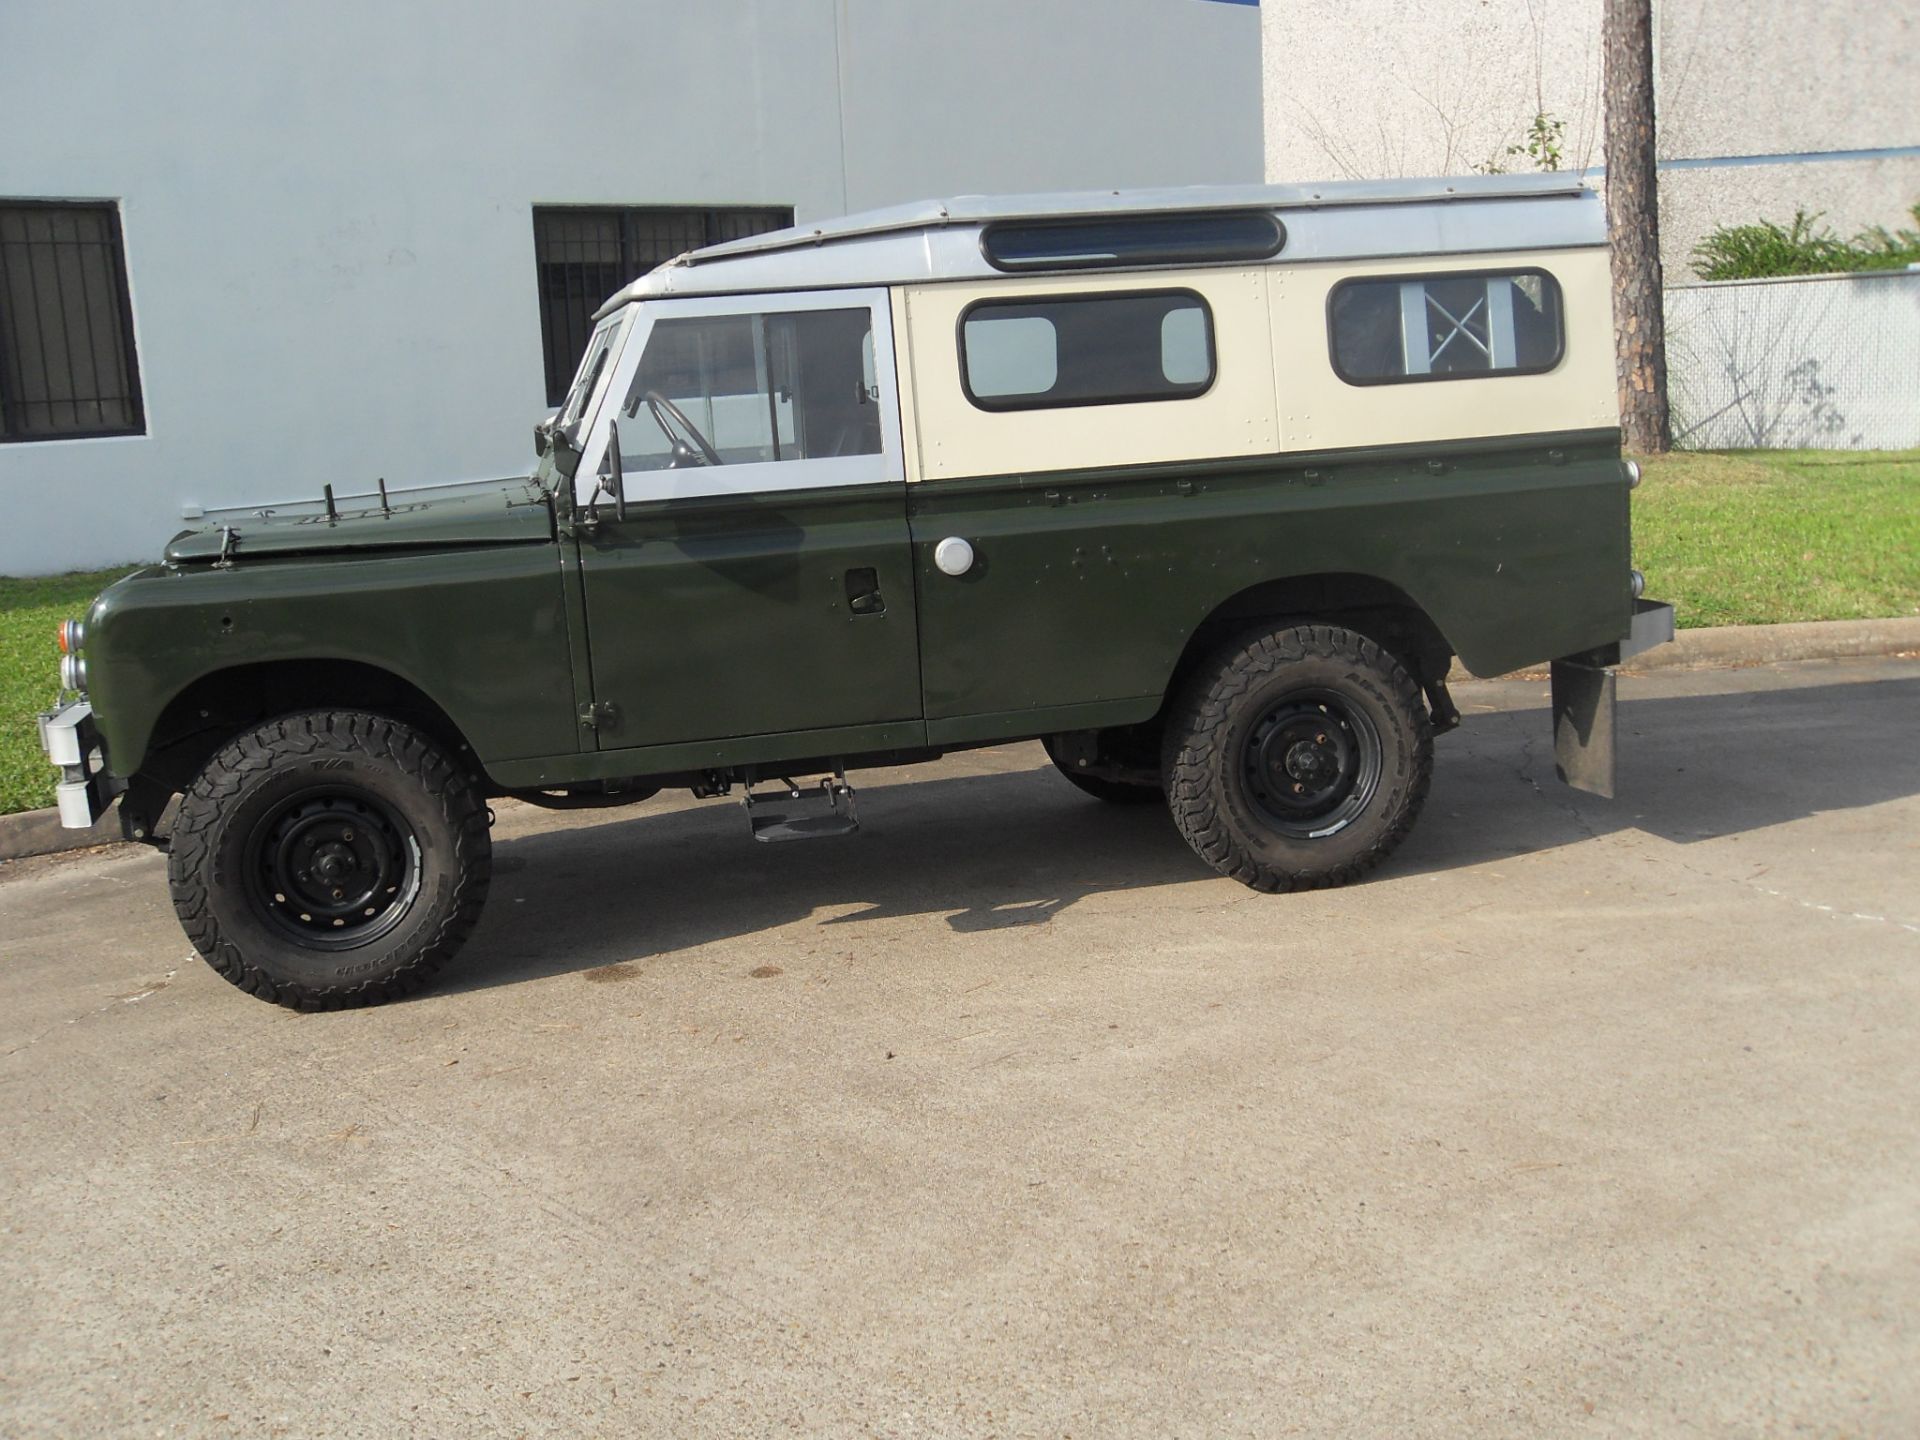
(483, 512)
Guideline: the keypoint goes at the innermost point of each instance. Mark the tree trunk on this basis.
(1633, 207)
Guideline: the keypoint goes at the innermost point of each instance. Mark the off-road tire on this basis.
(218, 856)
(1114, 792)
(1208, 756)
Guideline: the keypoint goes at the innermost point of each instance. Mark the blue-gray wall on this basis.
(327, 208)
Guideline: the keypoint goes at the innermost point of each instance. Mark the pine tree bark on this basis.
(1633, 207)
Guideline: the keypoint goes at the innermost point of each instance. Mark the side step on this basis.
(798, 814)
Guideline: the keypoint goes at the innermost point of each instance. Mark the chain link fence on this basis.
(1826, 362)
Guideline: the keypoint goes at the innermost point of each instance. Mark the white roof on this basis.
(939, 239)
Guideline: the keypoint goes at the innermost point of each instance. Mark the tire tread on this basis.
(1192, 761)
(249, 758)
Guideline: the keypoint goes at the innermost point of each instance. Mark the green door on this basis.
(761, 582)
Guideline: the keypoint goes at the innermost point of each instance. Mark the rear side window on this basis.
(1445, 327)
(1086, 350)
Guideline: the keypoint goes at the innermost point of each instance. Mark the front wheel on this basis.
(330, 859)
(1298, 758)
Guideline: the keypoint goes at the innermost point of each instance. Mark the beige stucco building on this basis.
(1764, 108)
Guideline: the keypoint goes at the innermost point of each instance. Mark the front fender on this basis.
(481, 632)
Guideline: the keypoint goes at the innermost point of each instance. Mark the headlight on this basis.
(73, 672)
(73, 635)
(1633, 473)
(1639, 589)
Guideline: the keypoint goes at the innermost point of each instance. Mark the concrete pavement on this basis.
(1006, 1117)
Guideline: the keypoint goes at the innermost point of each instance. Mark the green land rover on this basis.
(1204, 489)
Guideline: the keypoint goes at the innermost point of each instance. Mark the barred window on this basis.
(583, 255)
(67, 367)
(1445, 327)
(1086, 349)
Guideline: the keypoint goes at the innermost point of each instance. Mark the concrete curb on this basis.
(1729, 647)
(38, 832)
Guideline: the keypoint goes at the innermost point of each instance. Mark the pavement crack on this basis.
(151, 987)
(1523, 770)
(1833, 910)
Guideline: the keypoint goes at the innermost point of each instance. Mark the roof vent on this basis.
(1121, 241)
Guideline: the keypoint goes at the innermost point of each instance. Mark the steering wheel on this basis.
(660, 407)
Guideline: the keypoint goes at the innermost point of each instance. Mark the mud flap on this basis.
(1583, 724)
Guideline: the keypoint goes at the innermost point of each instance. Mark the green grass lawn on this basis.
(30, 674)
(1742, 538)
(1757, 537)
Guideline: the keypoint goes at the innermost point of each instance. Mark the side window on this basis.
(1445, 327)
(1086, 350)
(760, 388)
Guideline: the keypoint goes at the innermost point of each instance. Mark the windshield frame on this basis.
(744, 478)
(594, 362)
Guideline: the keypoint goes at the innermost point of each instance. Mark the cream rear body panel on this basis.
(1320, 411)
(903, 377)
(1275, 388)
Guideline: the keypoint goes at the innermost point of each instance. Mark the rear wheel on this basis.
(330, 859)
(1298, 758)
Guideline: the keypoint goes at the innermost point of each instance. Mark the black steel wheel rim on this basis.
(1311, 763)
(333, 868)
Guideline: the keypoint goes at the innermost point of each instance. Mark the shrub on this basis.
(1752, 252)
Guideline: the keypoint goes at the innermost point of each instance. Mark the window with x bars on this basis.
(584, 254)
(1441, 327)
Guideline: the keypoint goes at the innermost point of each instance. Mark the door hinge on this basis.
(597, 715)
(577, 523)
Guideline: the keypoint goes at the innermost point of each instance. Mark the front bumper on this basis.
(72, 741)
(1584, 700)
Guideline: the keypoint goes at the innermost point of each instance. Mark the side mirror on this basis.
(566, 453)
(543, 432)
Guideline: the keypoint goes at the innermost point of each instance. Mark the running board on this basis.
(797, 814)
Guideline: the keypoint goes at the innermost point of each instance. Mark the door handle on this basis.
(863, 592)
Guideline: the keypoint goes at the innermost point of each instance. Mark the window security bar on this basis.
(1422, 314)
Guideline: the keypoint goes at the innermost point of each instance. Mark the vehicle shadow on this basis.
(1691, 768)
(985, 851)
(1016, 847)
